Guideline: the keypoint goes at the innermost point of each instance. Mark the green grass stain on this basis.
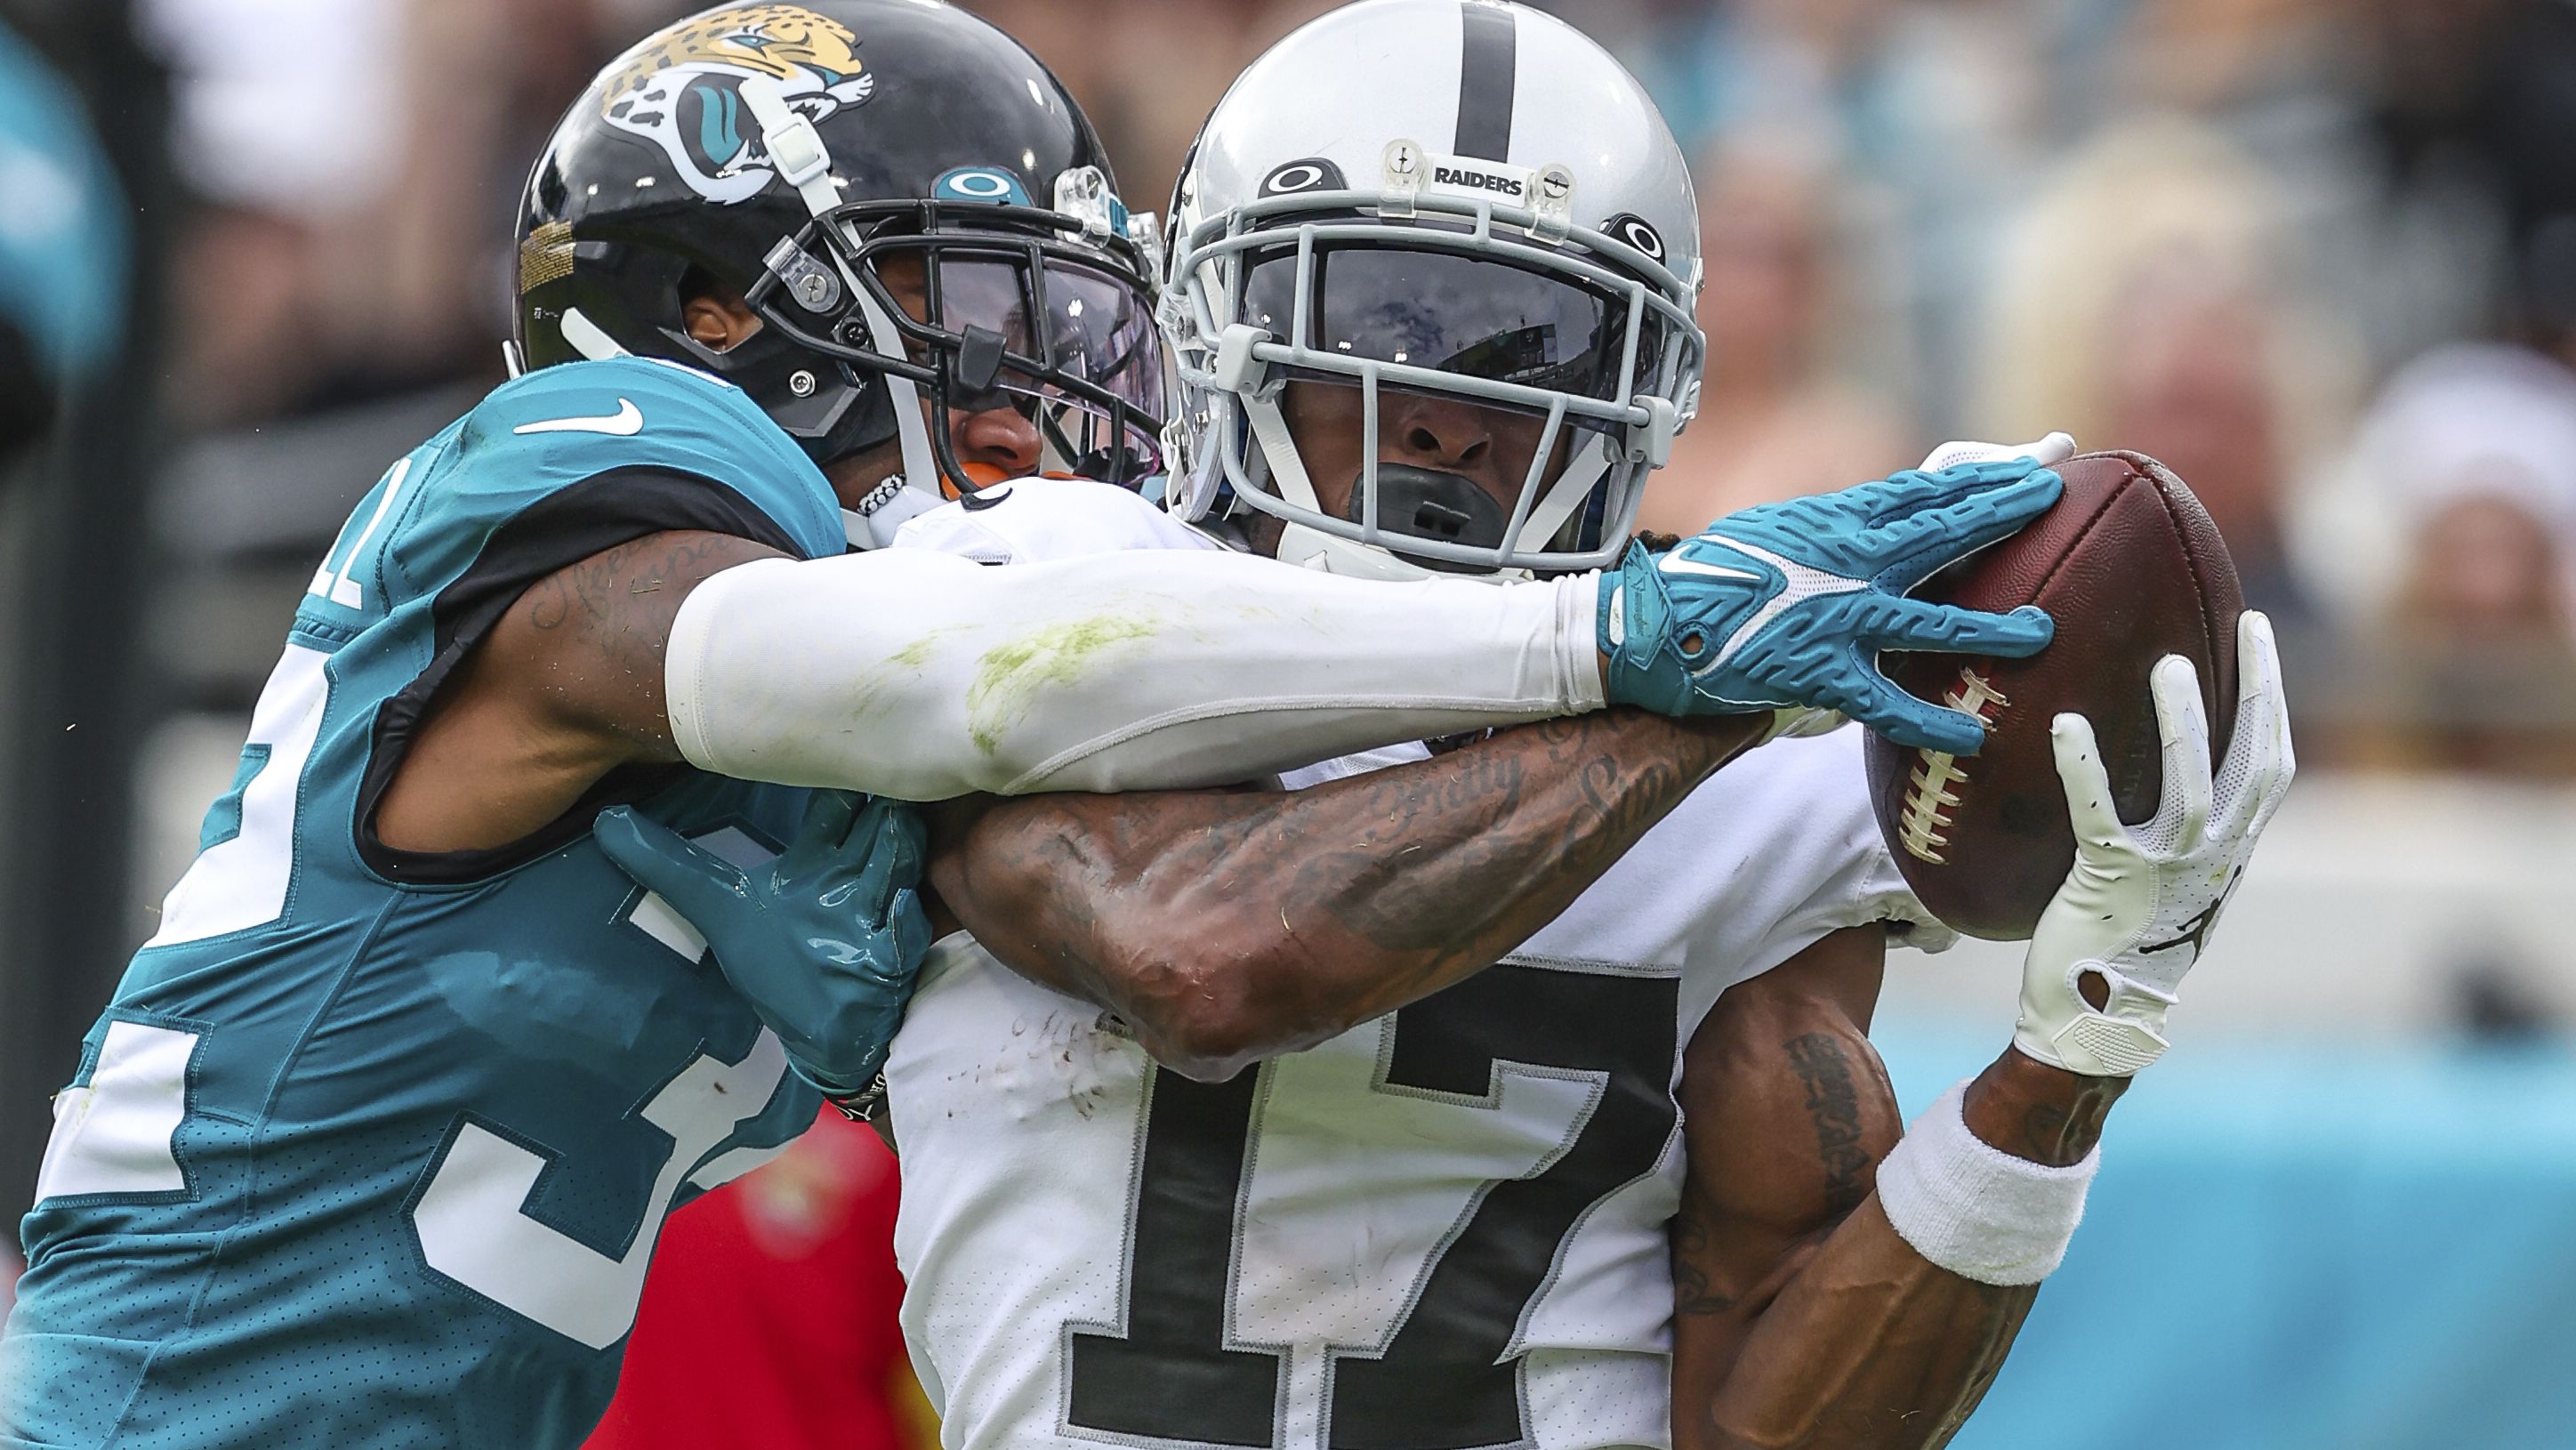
(917, 654)
(1010, 677)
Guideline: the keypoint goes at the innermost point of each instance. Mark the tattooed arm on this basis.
(1801, 1319)
(1226, 927)
(565, 688)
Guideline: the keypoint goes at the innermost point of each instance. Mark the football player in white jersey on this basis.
(1517, 1093)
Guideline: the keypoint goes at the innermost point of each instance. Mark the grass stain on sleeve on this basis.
(1011, 676)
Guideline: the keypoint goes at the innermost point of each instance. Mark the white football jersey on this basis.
(1034, 520)
(1446, 1227)
(1443, 1228)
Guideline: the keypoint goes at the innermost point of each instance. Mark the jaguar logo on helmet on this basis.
(682, 89)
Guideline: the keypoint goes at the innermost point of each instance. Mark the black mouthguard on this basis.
(1423, 503)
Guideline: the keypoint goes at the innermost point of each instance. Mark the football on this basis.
(2131, 568)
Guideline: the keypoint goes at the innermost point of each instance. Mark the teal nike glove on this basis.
(824, 941)
(1788, 604)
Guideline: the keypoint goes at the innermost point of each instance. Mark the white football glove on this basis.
(2048, 452)
(2138, 907)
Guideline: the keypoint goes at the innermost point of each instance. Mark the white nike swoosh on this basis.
(626, 422)
(1674, 563)
(1803, 583)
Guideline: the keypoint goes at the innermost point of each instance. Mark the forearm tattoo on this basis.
(2041, 1113)
(1461, 861)
(1692, 1292)
(593, 635)
(1833, 1109)
(1550, 803)
(1432, 869)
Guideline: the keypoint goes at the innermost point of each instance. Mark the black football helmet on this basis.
(909, 200)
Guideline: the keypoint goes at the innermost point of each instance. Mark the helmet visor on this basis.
(1469, 316)
(1079, 353)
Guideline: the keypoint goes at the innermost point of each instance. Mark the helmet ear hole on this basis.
(697, 282)
(712, 312)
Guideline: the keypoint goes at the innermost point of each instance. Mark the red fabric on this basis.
(769, 1313)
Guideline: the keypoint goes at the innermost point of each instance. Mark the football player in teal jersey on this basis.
(373, 1143)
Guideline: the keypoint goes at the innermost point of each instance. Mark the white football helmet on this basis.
(1461, 199)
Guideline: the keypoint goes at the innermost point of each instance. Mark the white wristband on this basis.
(1974, 1209)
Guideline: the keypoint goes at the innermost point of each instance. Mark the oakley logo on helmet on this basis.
(1312, 174)
(1637, 232)
(682, 90)
(980, 183)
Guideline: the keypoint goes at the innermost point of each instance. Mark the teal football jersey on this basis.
(371, 1147)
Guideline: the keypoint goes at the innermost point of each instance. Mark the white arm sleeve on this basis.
(922, 676)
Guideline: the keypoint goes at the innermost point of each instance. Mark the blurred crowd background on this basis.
(2317, 255)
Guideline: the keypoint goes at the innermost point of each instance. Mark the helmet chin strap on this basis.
(587, 337)
(875, 529)
(920, 476)
(1312, 548)
(794, 146)
(1287, 466)
(805, 163)
(1581, 474)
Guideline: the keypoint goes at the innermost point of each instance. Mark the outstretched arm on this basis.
(923, 676)
(916, 674)
(1801, 1317)
(1839, 1286)
(1230, 926)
